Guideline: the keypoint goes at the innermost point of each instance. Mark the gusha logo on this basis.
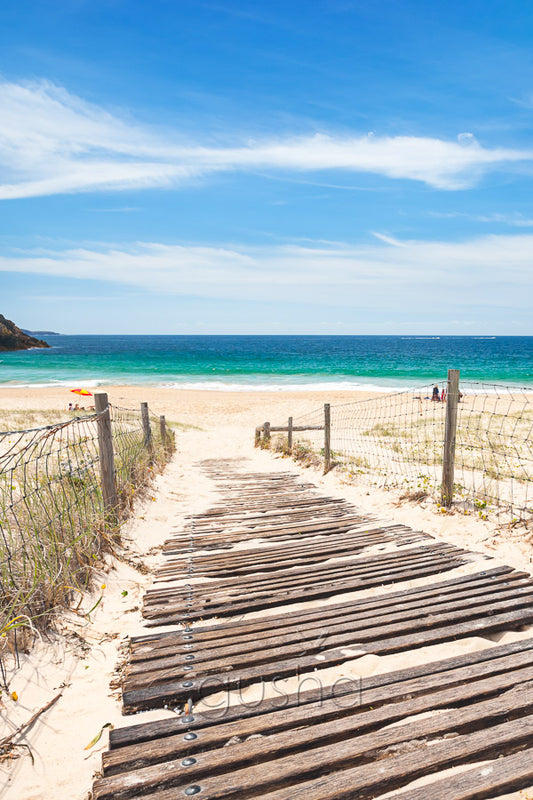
(218, 696)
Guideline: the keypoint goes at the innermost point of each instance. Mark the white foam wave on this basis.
(317, 386)
(75, 383)
(289, 385)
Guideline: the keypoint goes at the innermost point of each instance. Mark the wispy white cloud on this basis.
(513, 220)
(54, 142)
(411, 274)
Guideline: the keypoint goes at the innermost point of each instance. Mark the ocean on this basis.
(270, 362)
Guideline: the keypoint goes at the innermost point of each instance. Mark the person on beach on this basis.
(443, 396)
(436, 395)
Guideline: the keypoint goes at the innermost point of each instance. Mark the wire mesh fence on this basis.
(397, 440)
(53, 523)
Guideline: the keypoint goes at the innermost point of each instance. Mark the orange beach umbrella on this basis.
(83, 392)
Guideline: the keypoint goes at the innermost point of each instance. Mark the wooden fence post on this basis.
(145, 416)
(289, 435)
(450, 432)
(327, 438)
(106, 456)
(163, 429)
(266, 433)
(257, 437)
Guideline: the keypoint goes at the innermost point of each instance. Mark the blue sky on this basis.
(251, 167)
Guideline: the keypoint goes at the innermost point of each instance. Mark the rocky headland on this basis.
(12, 338)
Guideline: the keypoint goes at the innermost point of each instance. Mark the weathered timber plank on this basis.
(337, 723)
(393, 773)
(442, 588)
(259, 558)
(504, 774)
(365, 565)
(357, 635)
(460, 587)
(209, 546)
(188, 592)
(205, 596)
(323, 526)
(401, 684)
(298, 506)
(248, 526)
(174, 692)
(228, 762)
(169, 617)
(477, 602)
(316, 546)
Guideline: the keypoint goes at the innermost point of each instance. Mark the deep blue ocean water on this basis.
(270, 362)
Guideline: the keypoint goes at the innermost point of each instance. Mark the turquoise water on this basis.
(270, 362)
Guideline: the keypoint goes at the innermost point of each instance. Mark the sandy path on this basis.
(82, 664)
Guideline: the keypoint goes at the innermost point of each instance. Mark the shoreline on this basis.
(279, 386)
(188, 406)
(202, 408)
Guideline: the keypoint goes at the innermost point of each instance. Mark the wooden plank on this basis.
(354, 634)
(259, 585)
(166, 614)
(314, 703)
(300, 428)
(316, 627)
(338, 723)
(317, 546)
(327, 586)
(305, 547)
(329, 589)
(319, 525)
(226, 554)
(214, 514)
(499, 576)
(393, 773)
(282, 547)
(460, 583)
(303, 510)
(503, 775)
(363, 564)
(174, 692)
(240, 781)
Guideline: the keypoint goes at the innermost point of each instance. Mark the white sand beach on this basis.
(82, 659)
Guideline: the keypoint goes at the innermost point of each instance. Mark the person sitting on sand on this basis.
(436, 395)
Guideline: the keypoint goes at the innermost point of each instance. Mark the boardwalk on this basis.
(278, 591)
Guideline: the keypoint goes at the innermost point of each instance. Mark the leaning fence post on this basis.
(145, 417)
(266, 433)
(327, 437)
(163, 430)
(106, 456)
(450, 432)
(289, 435)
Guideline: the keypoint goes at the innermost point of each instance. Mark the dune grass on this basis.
(53, 525)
